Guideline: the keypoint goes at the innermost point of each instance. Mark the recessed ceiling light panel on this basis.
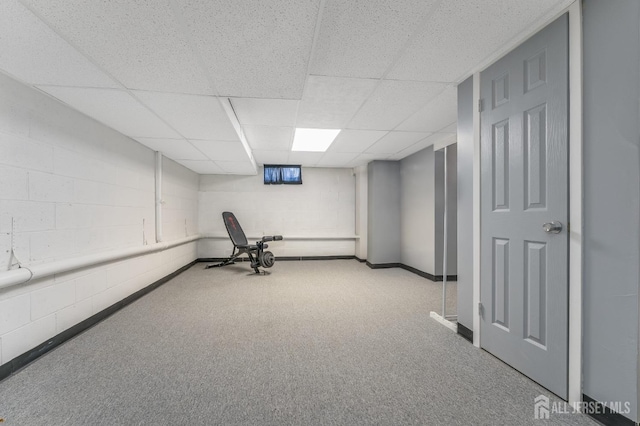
(314, 140)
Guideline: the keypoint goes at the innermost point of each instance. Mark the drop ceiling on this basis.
(220, 85)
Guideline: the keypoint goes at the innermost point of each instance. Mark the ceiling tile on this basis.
(393, 102)
(307, 159)
(366, 158)
(355, 140)
(427, 142)
(222, 150)
(437, 114)
(194, 117)
(265, 112)
(115, 108)
(330, 102)
(140, 43)
(253, 48)
(396, 141)
(237, 167)
(269, 138)
(451, 128)
(202, 167)
(32, 52)
(271, 157)
(336, 159)
(361, 38)
(176, 149)
(467, 35)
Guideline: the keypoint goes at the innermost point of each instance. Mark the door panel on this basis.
(535, 150)
(501, 283)
(535, 287)
(500, 166)
(524, 184)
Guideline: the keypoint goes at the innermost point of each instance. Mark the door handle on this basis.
(553, 227)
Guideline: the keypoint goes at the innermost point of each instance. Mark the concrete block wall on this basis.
(323, 206)
(30, 314)
(180, 201)
(70, 187)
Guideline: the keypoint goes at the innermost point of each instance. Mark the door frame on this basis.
(575, 193)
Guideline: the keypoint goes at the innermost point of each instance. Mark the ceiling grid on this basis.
(220, 85)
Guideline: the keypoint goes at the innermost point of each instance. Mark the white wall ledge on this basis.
(252, 237)
(25, 274)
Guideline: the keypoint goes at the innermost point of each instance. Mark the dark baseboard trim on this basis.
(21, 361)
(418, 272)
(278, 258)
(383, 265)
(423, 274)
(315, 257)
(605, 415)
(449, 278)
(369, 264)
(411, 269)
(465, 332)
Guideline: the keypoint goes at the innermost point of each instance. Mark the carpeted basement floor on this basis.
(314, 343)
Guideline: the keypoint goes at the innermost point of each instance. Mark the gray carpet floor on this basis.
(314, 343)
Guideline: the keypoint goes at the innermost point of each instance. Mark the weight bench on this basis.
(256, 252)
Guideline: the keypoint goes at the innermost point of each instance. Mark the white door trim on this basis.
(476, 209)
(575, 201)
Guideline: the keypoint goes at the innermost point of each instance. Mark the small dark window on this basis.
(275, 174)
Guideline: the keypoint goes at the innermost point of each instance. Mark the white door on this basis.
(524, 208)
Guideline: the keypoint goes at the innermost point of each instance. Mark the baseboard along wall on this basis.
(21, 361)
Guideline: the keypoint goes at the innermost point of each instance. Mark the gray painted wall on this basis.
(417, 177)
(362, 181)
(465, 203)
(611, 199)
(406, 211)
(383, 227)
(452, 202)
(452, 220)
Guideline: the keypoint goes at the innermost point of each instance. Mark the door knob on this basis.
(553, 227)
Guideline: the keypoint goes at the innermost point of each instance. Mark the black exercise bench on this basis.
(256, 252)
